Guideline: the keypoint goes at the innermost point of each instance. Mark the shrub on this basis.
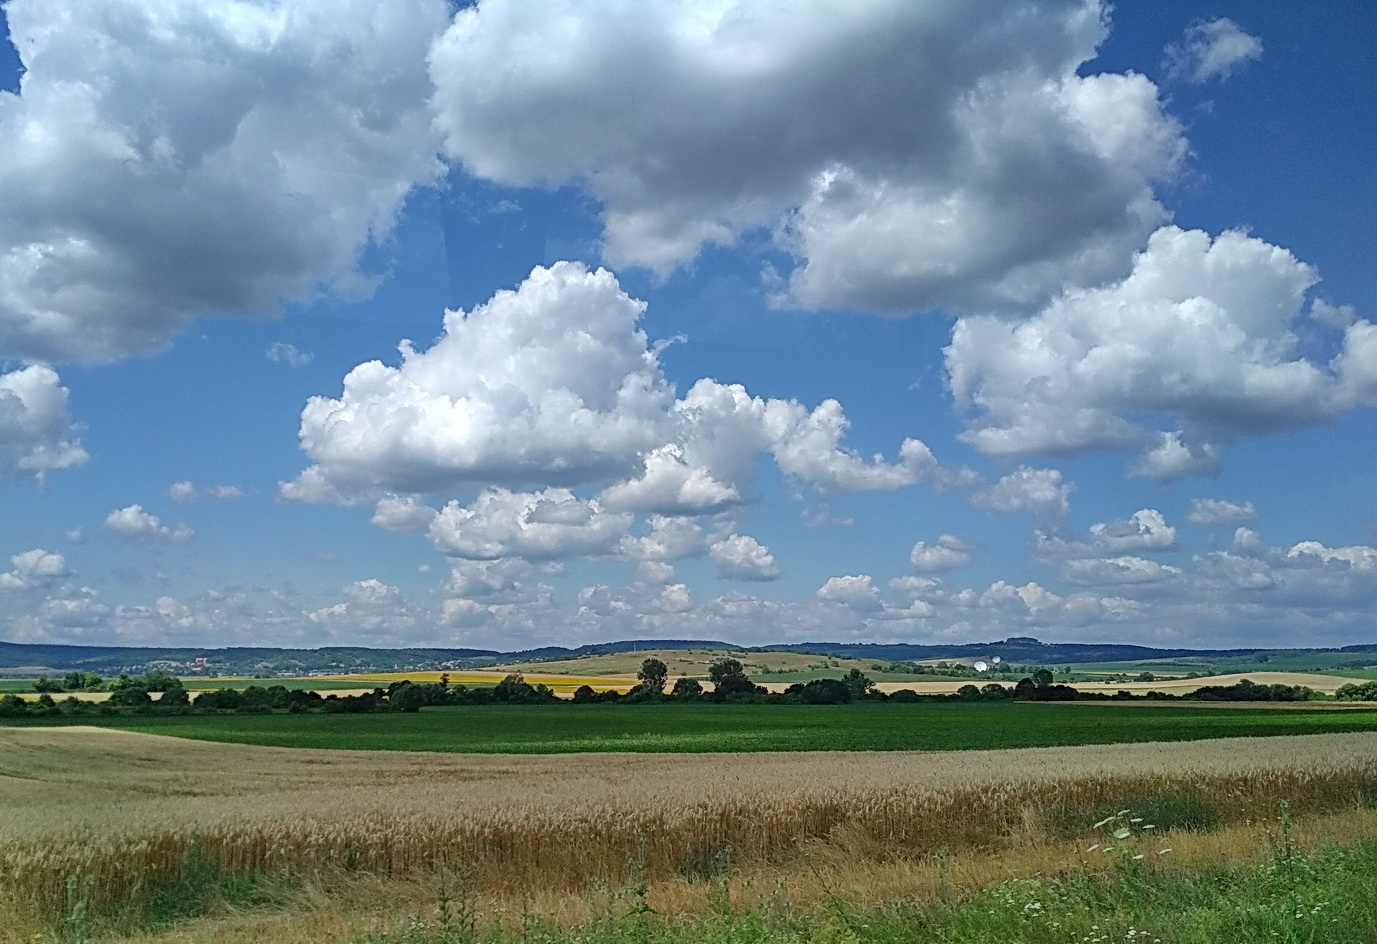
(825, 691)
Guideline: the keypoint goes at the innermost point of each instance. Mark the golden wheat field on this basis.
(118, 811)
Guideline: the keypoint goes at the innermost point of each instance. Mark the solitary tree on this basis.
(654, 675)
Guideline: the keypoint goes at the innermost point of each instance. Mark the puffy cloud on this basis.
(654, 573)
(741, 557)
(1144, 530)
(1358, 557)
(372, 592)
(402, 514)
(544, 525)
(33, 569)
(555, 384)
(917, 588)
(280, 352)
(1116, 570)
(37, 435)
(502, 581)
(552, 384)
(907, 156)
(948, 553)
(668, 539)
(1219, 511)
(1031, 596)
(1167, 458)
(1246, 540)
(674, 598)
(168, 160)
(670, 485)
(1196, 347)
(1211, 49)
(135, 524)
(1040, 491)
(858, 592)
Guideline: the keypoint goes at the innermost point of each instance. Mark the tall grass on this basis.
(531, 849)
(1324, 896)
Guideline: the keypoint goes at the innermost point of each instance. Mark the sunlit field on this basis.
(143, 831)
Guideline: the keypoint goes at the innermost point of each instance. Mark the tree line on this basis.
(728, 677)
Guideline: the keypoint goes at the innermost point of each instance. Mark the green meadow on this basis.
(570, 728)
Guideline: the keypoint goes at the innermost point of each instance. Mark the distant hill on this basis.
(1021, 649)
(110, 660)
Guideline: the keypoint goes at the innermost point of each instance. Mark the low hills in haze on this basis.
(25, 658)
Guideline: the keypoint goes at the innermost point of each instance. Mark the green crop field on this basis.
(561, 728)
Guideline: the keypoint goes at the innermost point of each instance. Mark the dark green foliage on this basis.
(821, 692)
(1363, 691)
(406, 697)
(858, 683)
(686, 689)
(584, 694)
(129, 696)
(82, 682)
(729, 680)
(653, 676)
(514, 689)
(45, 684)
(1248, 690)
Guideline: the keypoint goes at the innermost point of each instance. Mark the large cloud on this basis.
(37, 435)
(556, 385)
(907, 155)
(1200, 345)
(33, 568)
(169, 159)
(543, 525)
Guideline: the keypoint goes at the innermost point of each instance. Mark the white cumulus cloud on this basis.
(37, 435)
(545, 525)
(857, 591)
(947, 553)
(1040, 491)
(33, 569)
(134, 524)
(166, 160)
(1198, 346)
(906, 155)
(555, 384)
(741, 557)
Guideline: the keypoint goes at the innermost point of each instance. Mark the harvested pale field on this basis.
(1328, 684)
(690, 662)
(120, 810)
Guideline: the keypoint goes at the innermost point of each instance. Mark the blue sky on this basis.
(851, 321)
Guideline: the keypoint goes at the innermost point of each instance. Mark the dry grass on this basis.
(123, 811)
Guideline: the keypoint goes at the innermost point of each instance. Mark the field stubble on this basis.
(120, 814)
